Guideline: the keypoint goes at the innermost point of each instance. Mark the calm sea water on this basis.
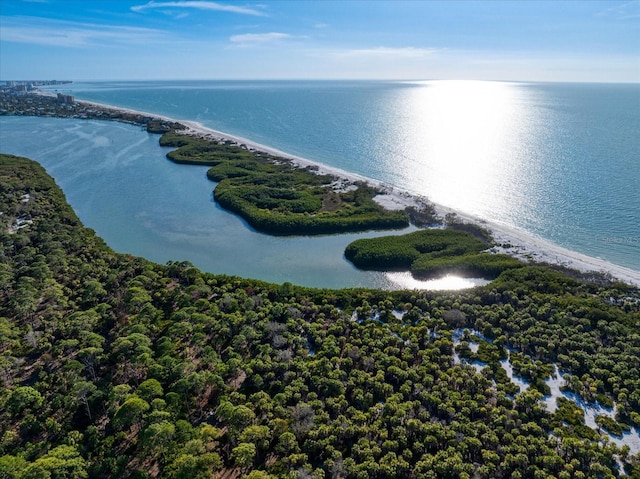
(561, 161)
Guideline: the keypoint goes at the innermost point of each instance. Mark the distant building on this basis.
(65, 99)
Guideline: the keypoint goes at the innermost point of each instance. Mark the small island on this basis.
(432, 252)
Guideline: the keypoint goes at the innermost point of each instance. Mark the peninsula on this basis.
(18, 102)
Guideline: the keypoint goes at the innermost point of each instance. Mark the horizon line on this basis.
(342, 79)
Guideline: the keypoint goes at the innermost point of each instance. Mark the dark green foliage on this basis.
(430, 253)
(611, 425)
(24, 399)
(568, 412)
(475, 230)
(485, 265)
(386, 252)
(300, 216)
(276, 197)
(112, 366)
(200, 151)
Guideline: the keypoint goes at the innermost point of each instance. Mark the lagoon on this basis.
(118, 181)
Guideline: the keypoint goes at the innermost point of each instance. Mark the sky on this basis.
(515, 40)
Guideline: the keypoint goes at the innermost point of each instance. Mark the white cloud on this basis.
(387, 52)
(200, 5)
(37, 31)
(623, 11)
(259, 38)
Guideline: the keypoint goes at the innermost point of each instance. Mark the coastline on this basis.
(510, 240)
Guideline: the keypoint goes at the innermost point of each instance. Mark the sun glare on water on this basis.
(464, 144)
(404, 280)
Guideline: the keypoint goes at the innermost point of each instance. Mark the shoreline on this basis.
(510, 240)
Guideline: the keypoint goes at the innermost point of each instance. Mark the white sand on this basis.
(531, 248)
(522, 245)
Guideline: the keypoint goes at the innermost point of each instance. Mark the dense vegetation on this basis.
(113, 366)
(276, 197)
(49, 106)
(430, 253)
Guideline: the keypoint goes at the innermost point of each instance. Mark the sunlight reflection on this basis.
(404, 280)
(463, 144)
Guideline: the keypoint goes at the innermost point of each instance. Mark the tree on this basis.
(150, 389)
(238, 417)
(136, 298)
(24, 398)
(287, 443)
(130, 412)
(83, 391)
(93, 292)
(25, 298)
(303, 416)
(188, 466)
(61, 462)
(244, 454)
(157, 436)
(304, 389)
(258, 475)
(12, 466)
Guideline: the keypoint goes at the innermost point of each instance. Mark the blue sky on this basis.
(198, 39)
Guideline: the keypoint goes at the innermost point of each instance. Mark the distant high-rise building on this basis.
(65, 99)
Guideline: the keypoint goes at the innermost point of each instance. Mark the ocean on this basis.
(558, 161)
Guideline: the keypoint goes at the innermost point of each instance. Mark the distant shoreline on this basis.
(514, 242)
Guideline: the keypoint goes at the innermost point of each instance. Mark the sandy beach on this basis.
(512, 241)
